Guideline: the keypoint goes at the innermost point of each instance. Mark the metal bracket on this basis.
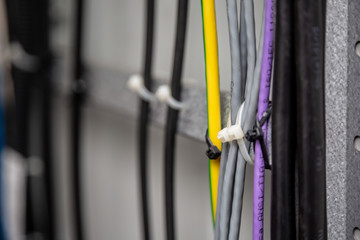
(342, 118)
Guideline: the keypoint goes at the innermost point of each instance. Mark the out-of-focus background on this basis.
(114, 43)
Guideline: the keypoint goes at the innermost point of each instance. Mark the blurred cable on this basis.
(78, 96)
(144, 118)
(172, 117)
(309, 54)
(29, 27)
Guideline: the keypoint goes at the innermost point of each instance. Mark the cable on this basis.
(4, 44)
(79, 88)
(239, 181)
(265, 81)
(144, 118)
(172, 117)
(29, 28)
(243, 48)
(213, 95)
(283, 213)
(309, 50)
(236, 98)
(3, 211)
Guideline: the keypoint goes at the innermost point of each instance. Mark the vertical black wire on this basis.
(29, 24)
(76, 119)
(309, 48)
(46, 90)
(172, 117)
(283, 208)
(144, 118)
(50, 184)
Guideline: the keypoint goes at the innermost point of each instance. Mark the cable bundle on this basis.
(249, 73)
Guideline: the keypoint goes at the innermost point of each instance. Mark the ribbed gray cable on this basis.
(223, 161)
(236, 94)
(236, 97)
(239, 182)
(243, 48)
(251, 59)
(227, 193)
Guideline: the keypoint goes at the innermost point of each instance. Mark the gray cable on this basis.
(236, 94)
(221, 231)
(227, 192)
(223, 161)
(251, 59)
(235, 220)
(243, 48)
(246, 43)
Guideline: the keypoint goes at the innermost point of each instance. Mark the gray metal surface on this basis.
(342, 118)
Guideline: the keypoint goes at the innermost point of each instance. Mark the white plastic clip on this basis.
(163, 93)
(235, 132)
(21, 59)
(136, 84)
(242, 147)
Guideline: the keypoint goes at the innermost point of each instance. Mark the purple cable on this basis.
(265, 80)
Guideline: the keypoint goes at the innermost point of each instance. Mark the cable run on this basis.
(265, 82)
(172, 117)
(283, 210)
(78, 97)
(309, 55)
(213, 96)
(144, 118)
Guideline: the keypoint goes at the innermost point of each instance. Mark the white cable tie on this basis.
(223, 135)
(136, 84)
(241, 142)
(163, 94)
(235, 132)
(21, 59)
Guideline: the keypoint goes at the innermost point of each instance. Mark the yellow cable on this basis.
(213, 92)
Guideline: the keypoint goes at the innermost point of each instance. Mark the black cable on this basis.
(283, 210)
(78, 96)
(172, 117)
(144, 118)
(309, 50)
(29, 26)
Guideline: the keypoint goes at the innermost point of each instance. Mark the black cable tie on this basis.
(257, 134)
(213, 151)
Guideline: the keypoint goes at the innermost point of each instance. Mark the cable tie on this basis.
(21, 59)
(242, 147)
(163, 94)
(213, 151)
(235, 132)
(136, 84)
(257, 134)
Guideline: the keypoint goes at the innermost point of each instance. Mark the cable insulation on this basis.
(172, 117)
(265, 81)
(213, 94)
(283, 212)
(144, 119)
(76, 119)
(309, 55)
